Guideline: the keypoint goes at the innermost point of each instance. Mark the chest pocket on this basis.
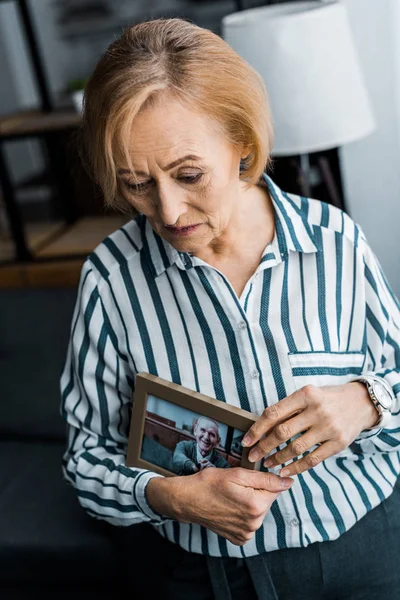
(325, 368)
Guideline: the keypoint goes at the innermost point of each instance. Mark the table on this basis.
(48, 126)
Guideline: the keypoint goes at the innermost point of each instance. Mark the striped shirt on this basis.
(317, 310)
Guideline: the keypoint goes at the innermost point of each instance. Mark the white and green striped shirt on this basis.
(317, 310)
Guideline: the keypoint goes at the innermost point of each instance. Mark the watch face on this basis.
(382, 396)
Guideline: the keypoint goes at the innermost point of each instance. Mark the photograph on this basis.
(185, 442)
(177, 431)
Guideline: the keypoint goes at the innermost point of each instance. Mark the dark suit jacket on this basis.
(185, 456)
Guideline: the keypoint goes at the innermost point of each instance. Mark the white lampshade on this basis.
(305, 54)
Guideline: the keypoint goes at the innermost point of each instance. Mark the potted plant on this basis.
(75, 88)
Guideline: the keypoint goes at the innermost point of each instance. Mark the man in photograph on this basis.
(193, 456)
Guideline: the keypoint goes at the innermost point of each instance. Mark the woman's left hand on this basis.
(331, 417)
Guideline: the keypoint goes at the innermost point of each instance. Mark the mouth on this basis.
(204, 445)
(183, 230)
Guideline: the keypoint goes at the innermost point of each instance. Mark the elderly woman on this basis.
(265, 300)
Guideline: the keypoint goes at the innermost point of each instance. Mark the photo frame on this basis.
(177, 431)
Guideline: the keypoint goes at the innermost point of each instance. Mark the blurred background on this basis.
(49, 47)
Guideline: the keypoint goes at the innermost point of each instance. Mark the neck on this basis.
(252, 226)
(206, 453)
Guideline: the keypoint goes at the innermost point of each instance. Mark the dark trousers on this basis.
(362, 564)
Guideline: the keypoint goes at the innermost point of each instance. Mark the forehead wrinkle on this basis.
(169, 154)
(150, 142)
(185, 126)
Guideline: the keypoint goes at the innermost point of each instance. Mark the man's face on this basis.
(207, 435)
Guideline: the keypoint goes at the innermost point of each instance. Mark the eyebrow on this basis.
(175, 163)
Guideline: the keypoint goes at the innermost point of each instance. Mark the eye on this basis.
(137, 188)
(140, 188)
(191, 178)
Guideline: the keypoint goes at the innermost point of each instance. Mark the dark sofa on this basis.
(49, 546)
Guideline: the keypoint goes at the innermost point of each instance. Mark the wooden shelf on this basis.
(34, 122)
(82, 237)
(59, 249)
(37, 235)
(57, 274)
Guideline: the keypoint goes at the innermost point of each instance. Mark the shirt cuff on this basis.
(366, 435)
(139, 494)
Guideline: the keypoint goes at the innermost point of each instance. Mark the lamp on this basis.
(305, 54)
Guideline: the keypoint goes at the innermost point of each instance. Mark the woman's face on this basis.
(188, 174)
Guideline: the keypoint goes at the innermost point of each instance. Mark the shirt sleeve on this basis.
(383, 349)
(96, 391)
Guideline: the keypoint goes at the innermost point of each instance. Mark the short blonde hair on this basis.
(190, 63)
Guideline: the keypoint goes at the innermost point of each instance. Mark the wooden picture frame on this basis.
(147, 425)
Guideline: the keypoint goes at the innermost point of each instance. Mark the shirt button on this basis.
(294, 522)
(255, 374)
(242, 325)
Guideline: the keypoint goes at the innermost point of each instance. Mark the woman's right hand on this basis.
(231, 502)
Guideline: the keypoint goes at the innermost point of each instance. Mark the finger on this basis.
(271, 416)
(269, 482)
(280, 434)
(312, 459)
(296, 448)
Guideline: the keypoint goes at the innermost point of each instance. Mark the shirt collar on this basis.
(292, 232)
(292, 229)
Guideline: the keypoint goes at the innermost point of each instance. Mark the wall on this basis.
(17, 89)
(371, 167)
(178, 414)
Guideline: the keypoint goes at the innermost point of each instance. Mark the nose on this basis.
(169, 205)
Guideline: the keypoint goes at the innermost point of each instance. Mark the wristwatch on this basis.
(381, 395)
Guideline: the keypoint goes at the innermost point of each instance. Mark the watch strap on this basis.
(384, 413)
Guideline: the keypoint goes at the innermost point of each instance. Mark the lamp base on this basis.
(325, 175)
(315, 175)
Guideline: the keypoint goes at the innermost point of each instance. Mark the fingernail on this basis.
(254, 456)
(286, 483)
(246, 441)
(268, 462)
(284, 472)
